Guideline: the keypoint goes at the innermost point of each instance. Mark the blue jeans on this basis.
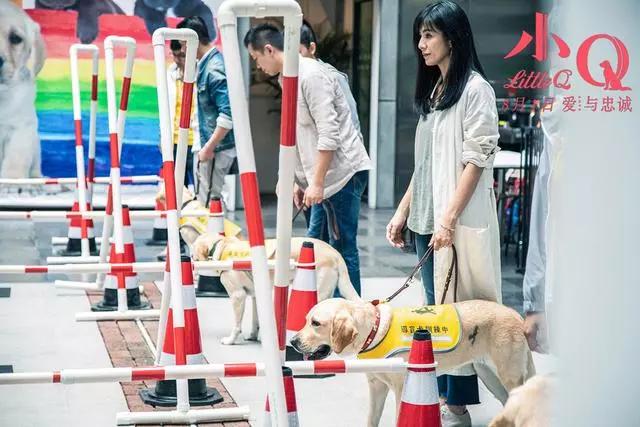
(346, 205)
(457, 390)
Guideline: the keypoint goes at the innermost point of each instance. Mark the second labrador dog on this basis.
(491, 338)
(331, 272)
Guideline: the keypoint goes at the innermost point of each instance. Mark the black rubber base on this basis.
(291, 355)
(74, 248)
(110, 301)
(164, 394)
(158, 238)
(210, 287)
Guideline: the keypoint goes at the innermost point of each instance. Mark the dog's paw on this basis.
(229, 340)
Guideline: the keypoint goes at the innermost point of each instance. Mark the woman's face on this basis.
(435, 49)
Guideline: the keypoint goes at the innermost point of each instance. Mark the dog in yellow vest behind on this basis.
(331, 271)
(483, 333)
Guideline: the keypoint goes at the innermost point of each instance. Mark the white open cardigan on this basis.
(468, 133)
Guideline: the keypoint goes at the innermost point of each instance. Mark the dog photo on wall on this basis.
(22, 56)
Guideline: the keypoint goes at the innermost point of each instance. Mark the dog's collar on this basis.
(373, 332)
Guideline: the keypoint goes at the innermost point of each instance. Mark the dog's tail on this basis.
(344, 283)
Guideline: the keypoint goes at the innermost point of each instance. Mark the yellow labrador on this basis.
(529, 405)
(331, 273)
(22, 56)
(492, 340)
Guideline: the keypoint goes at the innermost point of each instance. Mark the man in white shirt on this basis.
(332, 168)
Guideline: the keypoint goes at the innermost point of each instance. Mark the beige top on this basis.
(324, 123)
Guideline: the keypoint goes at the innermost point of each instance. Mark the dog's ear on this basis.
(38, 49)
(343, 332)
(189, 234)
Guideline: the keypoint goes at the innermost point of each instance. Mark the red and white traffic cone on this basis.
(121, 290)
(209, 285)
(164, 393)
(303, 297)
(159, 236)
(420, 405)
(79, 229)
(290, 395)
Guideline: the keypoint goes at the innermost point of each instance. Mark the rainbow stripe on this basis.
(140, 155)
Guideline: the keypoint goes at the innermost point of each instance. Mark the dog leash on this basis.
(407, 283)
(332, 222)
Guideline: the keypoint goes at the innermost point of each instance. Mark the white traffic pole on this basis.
(114, 195)
(228, 13)
(81, 184)
(56, 216)
(91, 167)
(160, 36)
(210, 370)
(286, 170)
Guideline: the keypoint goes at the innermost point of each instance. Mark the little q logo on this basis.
(611, 79)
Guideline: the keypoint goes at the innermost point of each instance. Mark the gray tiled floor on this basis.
(29, 243)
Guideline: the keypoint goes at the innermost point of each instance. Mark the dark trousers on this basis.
(188, 167)
(457, 390)
(346, 207)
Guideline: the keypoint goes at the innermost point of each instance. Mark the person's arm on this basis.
(533, 284)
(315, 192)
(394, 228)
(479, 145)
(319, 93)
(219, 94)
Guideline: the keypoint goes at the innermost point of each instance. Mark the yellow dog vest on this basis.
(441, 320)
(199, 223)
(242, 250)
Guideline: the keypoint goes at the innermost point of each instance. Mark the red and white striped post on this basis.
(290, 393)
(160, 37)
(57, 216)
(113, 219)
(91, 158)
(272, 337)
(212, 370)
(81, 184)
(134, 179)
(286, 170)
(138, 267)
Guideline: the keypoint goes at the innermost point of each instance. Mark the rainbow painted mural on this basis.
(140, 153)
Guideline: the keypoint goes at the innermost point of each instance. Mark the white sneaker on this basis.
(449, 419)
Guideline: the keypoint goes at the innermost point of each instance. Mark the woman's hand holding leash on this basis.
(443, 238)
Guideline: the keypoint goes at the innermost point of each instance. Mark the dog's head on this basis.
(20, 41)
(332, 325)
(201, 247)
(161, 197)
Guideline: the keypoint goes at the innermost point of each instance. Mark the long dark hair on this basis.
(448, 18)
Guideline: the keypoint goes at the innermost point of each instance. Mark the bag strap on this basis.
(452, 267)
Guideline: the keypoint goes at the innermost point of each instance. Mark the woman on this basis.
(450, 199)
